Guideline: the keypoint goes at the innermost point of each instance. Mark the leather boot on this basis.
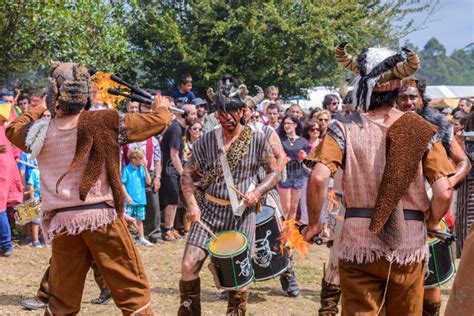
(330, 294)
(190, 300)
(237, 302)
(431, 308)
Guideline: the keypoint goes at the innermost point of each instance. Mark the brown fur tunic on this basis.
(407, 141)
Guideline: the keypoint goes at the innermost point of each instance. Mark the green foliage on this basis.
(285, 43)
(440, 69)
(34, 32)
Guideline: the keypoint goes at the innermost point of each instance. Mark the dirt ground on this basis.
(21, 273)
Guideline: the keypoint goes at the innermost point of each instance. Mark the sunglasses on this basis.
(196, 129)
(334, 103)
(321, 119)
(314, 129)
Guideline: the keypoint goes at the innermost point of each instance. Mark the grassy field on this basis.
(20, 276)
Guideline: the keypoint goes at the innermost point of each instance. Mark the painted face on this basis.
(229, 120)
(409, 100)
(289, 126)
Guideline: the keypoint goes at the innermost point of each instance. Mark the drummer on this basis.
(215, 201)
(411, 97)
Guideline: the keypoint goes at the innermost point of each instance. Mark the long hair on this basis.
(294, 119)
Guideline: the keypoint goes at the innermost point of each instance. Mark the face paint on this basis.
(409, 100)
(229, 120)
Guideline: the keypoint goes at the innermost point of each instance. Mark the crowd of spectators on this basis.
(151, 169)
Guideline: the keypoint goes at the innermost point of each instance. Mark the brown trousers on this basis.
(461, 298)
(363, 287)
(43, 292)
(113, 251)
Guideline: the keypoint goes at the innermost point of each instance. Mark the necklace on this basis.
(292, 141)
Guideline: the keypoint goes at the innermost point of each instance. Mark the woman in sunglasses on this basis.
(193, 133)
(296, 148)
(323, 119)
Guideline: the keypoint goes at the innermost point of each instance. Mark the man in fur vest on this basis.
(78, 157)
(386, 155)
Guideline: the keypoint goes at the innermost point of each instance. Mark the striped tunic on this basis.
(220, 218)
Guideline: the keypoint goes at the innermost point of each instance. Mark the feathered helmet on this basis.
(379, 70)
(230, 95)
(70, 84)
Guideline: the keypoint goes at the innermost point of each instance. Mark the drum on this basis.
(268, 260)
(230, 256)
(28, 211)
(441, 266)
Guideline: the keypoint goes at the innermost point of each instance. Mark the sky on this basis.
(452, 25)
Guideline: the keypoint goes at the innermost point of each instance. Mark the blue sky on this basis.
(452, 25)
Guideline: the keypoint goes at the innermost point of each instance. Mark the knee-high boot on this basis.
(237, 302)
(330, 294)
(190, 298)
(431, 308)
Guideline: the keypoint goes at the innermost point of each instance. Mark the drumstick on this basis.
(238, 192)
(207, 228)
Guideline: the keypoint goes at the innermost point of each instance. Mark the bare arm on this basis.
(176, 161)
(125, 193)
(316, 195)
(439, 203)
(157, 180)
(187, 187)
(463, 165)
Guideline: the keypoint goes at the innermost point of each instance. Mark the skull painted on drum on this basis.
(245, 267)
(263, 252)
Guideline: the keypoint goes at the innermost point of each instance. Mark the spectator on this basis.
(296, 110)
(331, 103)
(152, 152)
(46, 115)
(458, 129)
(184, 93)
(134, 178)
(255, 117)
(172, 154)
(323, 118)
(11, 191)
(296, 149)
(273, 114)
(271, 93)
(347, 104)
(133, 107)
(193, 133)
(33, 186)
(23, 102)
(312, 115)
(465, 105)
(35, 101)
(201, 110)
(311, 134)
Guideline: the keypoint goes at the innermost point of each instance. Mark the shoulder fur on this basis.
(36, 136)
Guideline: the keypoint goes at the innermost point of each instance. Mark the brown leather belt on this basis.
(83, 207)
(216, 200)
(409, 215)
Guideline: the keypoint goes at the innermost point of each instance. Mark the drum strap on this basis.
(238, 207)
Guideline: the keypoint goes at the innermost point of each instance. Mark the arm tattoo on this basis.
(187, 184)
(273, 173)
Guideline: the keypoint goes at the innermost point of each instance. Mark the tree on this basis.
(285, 43)
(34, 32)
(441, 69)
